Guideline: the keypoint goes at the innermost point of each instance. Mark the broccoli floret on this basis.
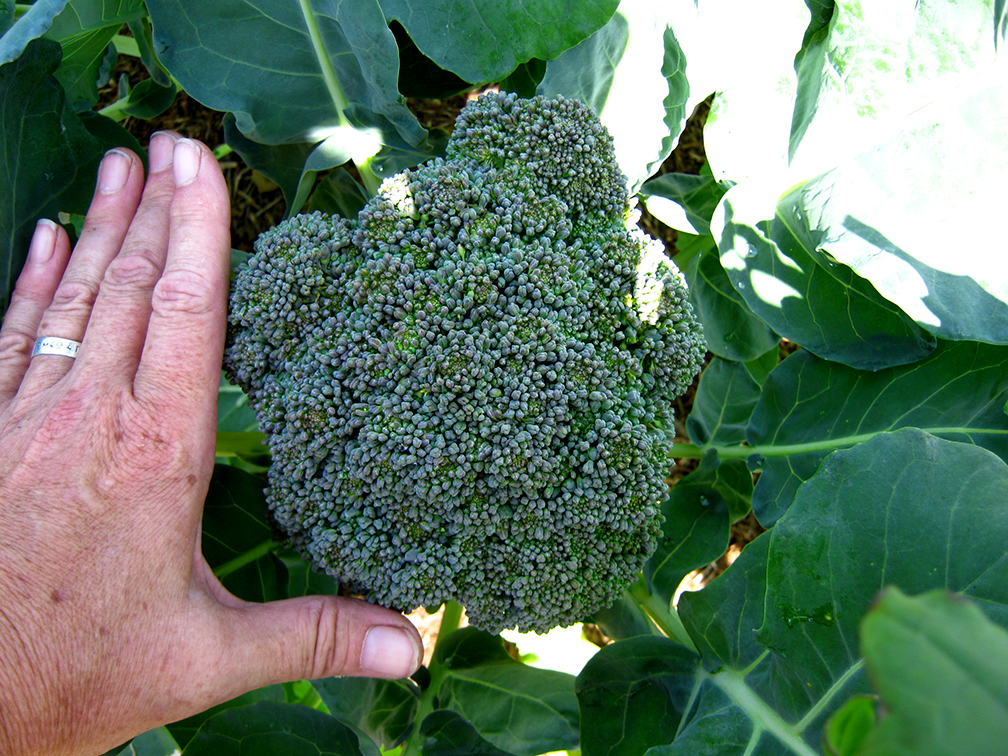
(467, 390)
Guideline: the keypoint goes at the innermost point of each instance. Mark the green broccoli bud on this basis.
(466, 390)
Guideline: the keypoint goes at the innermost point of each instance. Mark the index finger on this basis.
(181, 360)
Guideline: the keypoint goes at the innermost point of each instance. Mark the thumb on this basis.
(318, 636)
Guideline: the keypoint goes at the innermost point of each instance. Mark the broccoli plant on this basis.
(467, 391)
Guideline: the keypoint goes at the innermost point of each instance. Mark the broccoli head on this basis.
(467, 390)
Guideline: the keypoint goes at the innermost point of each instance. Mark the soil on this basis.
(257, 204)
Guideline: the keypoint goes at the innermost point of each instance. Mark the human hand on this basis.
(111, 621)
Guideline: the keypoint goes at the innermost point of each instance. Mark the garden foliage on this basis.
(850, 206)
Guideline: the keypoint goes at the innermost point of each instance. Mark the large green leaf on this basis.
(695, 530)
(328, 72)
(810, 407)
(485, 40)
(381, 710)
(633, 695)
(732, 329)
(909, 214)
(684, 201)
(520, 709)
(941, 668)
(6, 15)
(267, 729)
(893, 145)
(85, 28)
(32, 25)
(300, 578)
(633, 72)
(745, 52)
(805, 296)
(293, 167)
(157, 742)
(724, 401)
(185, 729)
(237, 540)
(234, 414)
(445, 733)
(778, 632)
(49, 159)
(338, 193)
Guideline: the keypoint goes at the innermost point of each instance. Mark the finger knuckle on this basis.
(74, 296)
(330, 649)
(184, 291)
(136, 270)
(15, 345)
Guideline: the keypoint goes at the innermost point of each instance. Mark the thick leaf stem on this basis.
(823, 702)
(126, 45)
(692, 451)
(325, 64)
(253, 554)
(450, 619)
(368, 177)
(666, 618)
(764, 718)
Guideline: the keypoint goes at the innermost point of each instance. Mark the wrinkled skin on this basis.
(111, 621)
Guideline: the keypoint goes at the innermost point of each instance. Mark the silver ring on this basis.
(57, 346)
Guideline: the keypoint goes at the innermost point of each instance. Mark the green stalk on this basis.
(764, 718)
(325, 64)
(115, 111)
(692, 451)
(368, 177)
(665, 617)
(126, 45)
(450, 620)
(256, 552)
(830, 694)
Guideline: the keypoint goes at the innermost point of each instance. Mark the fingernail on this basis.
(159, 153)
(43, 242)
(115, 168)
(389, 652)
(186, 161)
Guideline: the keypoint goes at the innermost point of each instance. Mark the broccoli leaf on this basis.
(520, 709)
(684, 201)
(6, 15)
(956, 392)
(267, 728)
(633, 695)
(624, 619)
(804, 294)
(50, 159)
(917, 651)
(448, 734)
(380, 710)
(237, 541)
(329, 70)
(185, 729)
(32, 25)
(723, 404)
(732, 330)
(778, 630)
(496, 32)
(158, 742)
(695, 531)
(894, 136)
(85, 29)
